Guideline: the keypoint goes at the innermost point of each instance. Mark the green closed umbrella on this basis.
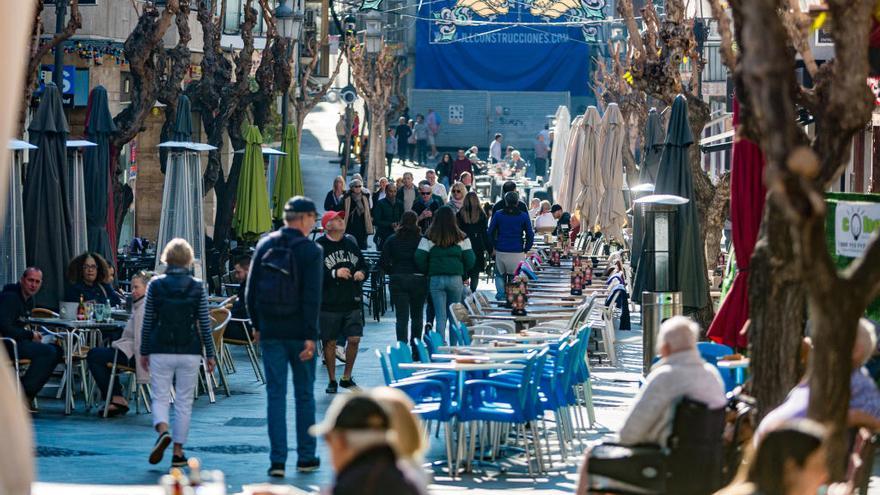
(251, 217)
(288, 176)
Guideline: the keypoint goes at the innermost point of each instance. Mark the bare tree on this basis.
(654, 58)
(311, 90)
(376, 77)
(39, 49)
(799, 169)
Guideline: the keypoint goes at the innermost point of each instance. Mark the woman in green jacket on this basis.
(445, 255)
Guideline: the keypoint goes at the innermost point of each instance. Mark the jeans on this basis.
(44, 358)
(183, 371)
(98, 358)
(277, 356)
(389, 157)
(540, 167)
(422, 151)
(474, 275)
(445, 290)
(408, 293)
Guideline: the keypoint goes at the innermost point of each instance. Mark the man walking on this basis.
(408, 194)
(425, 206)
(437, 188)
(495, 149)
(341, 305)
(283, 298)
(433, 121)
(340, 133)
(403, 133)
(541, 154)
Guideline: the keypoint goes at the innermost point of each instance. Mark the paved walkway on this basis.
(231, 434)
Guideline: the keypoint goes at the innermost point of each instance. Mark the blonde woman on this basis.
(176, 327)
(544, 221)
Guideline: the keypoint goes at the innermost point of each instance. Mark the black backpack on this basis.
(177, 318)
(278, 287)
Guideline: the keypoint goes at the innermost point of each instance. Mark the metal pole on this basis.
(58, 71)
(346, 159)
(294, 78)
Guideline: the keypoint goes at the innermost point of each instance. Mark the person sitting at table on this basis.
(544, 220)
(87, 274)
(16, 303)
(864, 401)
(680, 373)
(124, 351)
(241, 269)
(112, 282)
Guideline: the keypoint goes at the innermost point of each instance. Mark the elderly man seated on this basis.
(864, 402)
(680, 373)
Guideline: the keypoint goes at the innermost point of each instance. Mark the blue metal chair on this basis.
(433, 340)
(711, 353)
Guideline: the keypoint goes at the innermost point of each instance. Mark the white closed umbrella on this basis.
(590, 171)
(561, 132)
(568, 188)
(612, 211)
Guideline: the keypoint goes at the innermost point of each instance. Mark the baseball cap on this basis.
(555, 208)
(330, 215)
(300, 204)
(352, 412)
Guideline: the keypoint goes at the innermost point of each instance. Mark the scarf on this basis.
(361, 208)
(456, 205)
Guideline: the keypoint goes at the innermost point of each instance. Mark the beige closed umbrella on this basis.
(568, 189)
(612, 212)
(590, 172)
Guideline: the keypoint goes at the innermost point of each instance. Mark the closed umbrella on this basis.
(590, 171)
(561, 132)
(288, 176)
(612, 211)
(674, 177)
(652, 149)
(251, 218)
(97, 173)
(747, 193)
(47, 217)
(568, 190)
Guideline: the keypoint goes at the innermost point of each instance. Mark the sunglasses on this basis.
(427, 194)
(356, 187)
(457, 191)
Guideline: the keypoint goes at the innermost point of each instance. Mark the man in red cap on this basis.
(342, 302)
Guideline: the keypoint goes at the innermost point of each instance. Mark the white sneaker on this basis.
(340, 354)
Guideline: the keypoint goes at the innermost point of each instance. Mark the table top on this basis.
(454, 366)
(75, 324)
(529, 337)
(523, 318)
(477, 356)
(514, 348)
(739, 363)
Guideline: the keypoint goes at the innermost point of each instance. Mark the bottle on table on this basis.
(81, 310)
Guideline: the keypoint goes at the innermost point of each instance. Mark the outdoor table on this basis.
(69, 329)
(461, 369)
(523, 321)
(529, 337)
(493, 348)
(40, 488)
(739, 367)
(486, 357)
(539, 308)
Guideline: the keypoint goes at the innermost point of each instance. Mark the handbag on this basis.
(411, 139)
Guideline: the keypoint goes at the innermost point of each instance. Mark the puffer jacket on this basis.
(160, 291)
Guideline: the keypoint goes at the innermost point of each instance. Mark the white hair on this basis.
(866, 342)
(360, 440)
(679, 333)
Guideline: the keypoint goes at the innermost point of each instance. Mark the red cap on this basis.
(330, 215)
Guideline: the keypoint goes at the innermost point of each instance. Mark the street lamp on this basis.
(373, 35)
(289, 23)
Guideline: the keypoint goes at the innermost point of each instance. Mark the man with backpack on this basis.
(342, 315)
(283, 299)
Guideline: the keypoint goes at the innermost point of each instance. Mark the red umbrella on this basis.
(747, 194)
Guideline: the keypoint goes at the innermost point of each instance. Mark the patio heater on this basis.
(658, 265)
(12, 255)
(182, 207)
(77, 195)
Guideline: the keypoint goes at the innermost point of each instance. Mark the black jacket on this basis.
(330, 203)
(13, 309)
(304, 324)
(403, 133)
(399, 255)
(386, 213)
(341, 294)
(376, 471)
(177, 297)
(443, 169)
(419, 207)
(476, 232)
(99, 293)
(500, 206)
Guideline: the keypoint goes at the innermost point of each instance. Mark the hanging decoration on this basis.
(95, 50)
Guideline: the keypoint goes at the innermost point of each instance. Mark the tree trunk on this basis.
(777, 310)
(376, 160)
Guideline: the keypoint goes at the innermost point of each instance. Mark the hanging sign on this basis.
(855, 224)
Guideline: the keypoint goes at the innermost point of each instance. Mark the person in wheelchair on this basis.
(680, 388)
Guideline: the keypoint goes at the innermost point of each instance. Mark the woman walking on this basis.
(333, 200)
(445, 254)
(473, 222)
(511, 235)
(358, 219)
(176, 328)
(456, 197)
(444, 169)
(408, 283)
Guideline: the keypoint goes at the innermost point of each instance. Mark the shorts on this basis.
(431, 140)
(506, 263)
(336, 324)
